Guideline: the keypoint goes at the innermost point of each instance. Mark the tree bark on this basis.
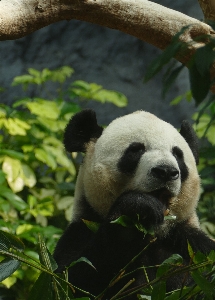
(208, 8)
(148, 21)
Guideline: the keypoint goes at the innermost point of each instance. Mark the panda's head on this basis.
(135, 152)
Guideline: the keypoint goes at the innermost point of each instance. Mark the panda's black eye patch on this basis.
(136, 148)
(130, 158)
(177, 152)
(179, 156)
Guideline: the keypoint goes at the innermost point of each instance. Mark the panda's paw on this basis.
(145, 208)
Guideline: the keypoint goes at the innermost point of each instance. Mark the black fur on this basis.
(130, 158)
(177, 152)
(190, 137)
(113, 246)
(80, 130)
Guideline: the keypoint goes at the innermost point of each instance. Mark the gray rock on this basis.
(108, 57)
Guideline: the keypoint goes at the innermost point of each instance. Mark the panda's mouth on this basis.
(164, 196)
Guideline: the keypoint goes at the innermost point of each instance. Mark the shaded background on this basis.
(105, 56)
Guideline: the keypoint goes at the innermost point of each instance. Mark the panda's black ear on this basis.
(190, 137)
(80, 130)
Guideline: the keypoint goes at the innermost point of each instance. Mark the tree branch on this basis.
(148, 21)
(208, 8)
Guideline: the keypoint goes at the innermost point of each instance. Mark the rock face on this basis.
(107, 57)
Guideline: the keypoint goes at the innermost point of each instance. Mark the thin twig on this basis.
(122, 289)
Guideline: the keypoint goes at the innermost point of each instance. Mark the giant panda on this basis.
(143, 168)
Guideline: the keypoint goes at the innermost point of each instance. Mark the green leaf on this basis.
(62, 289)
(5, 244)
(15, 200)
(28, 176)
(166, 55)
(45, 157)
(204, 107)
(199, 84)
(159, 291)
(3, 112)
(34, 72)
(65, 202)
(27, 148)
(204, 57)
(16, 126)
(2, 177)
(12, 153)
(11, 167)
(21, 102)
(169, 217)
(211, 255)
(116, 98)
(204, 284)
(188, 291)
(42, 289)
(177, 100)
(171, 79)
(124, 221)
(44, 108)
(82, 259)
(23, 228)
(173, 260)
(190, 250)
(23, 79)
(58, 75)
(93, 91)
(61, 158)
(18, 174)
(46, 257)
(199, 257)
(82, 298)
(93, 226)
(69, 108)
(7, 267)
(8, 241)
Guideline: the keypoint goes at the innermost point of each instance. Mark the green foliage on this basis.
(199, 65)
(37, 184)
(37, 178)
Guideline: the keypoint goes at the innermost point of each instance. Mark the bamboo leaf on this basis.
(93, 226)
(204, 284)
(8, 241)
(171, 79)
(200, 84)
(159, 291)
(165, 57)
(124, 221)
(204, 57)
(82, 259)
(42, 289)
(7, 267)
(174, 259)
(46, 257)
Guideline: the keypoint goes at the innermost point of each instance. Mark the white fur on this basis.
(100, 181)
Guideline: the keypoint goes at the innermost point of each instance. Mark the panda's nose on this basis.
(165, 173)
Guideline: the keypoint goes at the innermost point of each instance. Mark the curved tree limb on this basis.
(208, 8)
(148, 21)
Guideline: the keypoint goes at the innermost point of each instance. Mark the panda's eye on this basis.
(136, 148)
(177, 152)
(130, 158)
